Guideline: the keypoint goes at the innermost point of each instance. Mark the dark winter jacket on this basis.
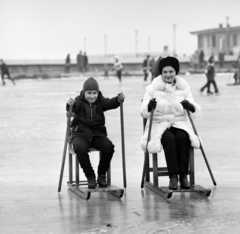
(210, 72)
(89, 119)
(4, 68)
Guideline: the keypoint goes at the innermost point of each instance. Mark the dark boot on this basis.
(184, 181)
(102, 182)
(173, 184)
(92, 182)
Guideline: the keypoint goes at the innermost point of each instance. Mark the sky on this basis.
(51, 29)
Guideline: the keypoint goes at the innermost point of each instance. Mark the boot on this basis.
(173, 183)
(102, 182)
(184, 181)
(92, 182)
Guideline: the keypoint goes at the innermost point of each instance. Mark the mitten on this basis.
(120, 97)
(188, 106)
(152, 104)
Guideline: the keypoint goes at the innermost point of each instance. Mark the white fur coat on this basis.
(169, 112)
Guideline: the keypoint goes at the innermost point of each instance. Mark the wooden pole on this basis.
(65, 148)
(148, 139)
(203, 153)
(123, 145)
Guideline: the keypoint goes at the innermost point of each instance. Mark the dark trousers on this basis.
(9, 77)
(214, 85)
(103, 144)
(207, 85)
(176, 146)
(119, 75)
(145, 75)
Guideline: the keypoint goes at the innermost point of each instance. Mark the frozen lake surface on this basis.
(33, 125)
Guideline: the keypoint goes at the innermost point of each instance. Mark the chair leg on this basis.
(109, 175)
(76, 172)
(191, 167)
(70, 168)
(155, 169)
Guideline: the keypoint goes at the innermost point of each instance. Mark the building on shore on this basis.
(221, 39)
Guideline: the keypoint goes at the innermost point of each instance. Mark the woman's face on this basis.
(91, 96)
(168, 74)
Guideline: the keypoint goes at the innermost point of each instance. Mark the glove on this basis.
(188, 106)
(152, 104)
(121, 97)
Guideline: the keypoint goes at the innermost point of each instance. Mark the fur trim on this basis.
(159, 84)
(197, 112)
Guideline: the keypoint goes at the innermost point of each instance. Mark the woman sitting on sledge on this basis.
(169, 95)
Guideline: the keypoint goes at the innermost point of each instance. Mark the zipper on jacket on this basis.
(91, 112)
(91, 119)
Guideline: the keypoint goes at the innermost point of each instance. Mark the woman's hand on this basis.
(71, 101)
(121, 97)
(152, 104)
(188, 106)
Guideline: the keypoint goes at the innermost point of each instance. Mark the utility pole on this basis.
(174, 39)
(149, 45)
(136, 43)
(105, 45)
(85, 44)
(227, 36)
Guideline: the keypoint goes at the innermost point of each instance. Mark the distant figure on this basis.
(5, 71)
(146, 67)
(201, 59)
(194, 60)
(80, 61)
(236, 75)
(117, 66)
(67, 64)
(153, 64)
(85, 62)
(156, 70)
(210, 73)
(221, 59)
(106, 75)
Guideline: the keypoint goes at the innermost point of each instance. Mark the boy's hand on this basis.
(71, 101)
(121, 97)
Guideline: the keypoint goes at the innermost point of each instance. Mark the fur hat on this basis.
(169, 61)
(90, 84)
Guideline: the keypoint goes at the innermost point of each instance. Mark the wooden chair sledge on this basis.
(163, 171)
(80, 187)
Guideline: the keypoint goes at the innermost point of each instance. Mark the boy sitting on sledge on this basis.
(89, 130)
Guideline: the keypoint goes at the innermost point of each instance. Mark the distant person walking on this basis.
(153, 64)
(85, 62)
(236, 75)
(201, 59)
(5, 71)
(117, 66)
(210, 73)
(80, 61)
(68, 64)
(156, 70)
(146, 67)
(106, 75)
(221, 59)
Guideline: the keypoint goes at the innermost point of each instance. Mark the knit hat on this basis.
(90, 84)
(169, 61)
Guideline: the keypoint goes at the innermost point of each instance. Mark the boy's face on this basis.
(91, 96)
